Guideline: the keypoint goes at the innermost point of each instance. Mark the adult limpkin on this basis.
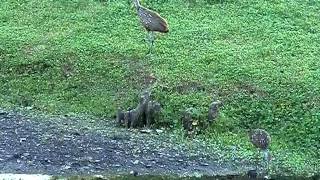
(151, 21)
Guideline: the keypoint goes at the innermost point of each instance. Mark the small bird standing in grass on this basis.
(261, 140)
(151, 21)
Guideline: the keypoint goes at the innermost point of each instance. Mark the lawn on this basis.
(261, 58)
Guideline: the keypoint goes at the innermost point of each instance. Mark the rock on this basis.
(98, 176)
(76, 164)
(16, 156)
(25, 154)
(135, 162)
(22, 140)
(3, 113)
(147, 131)
(204, 164)
(266, 177)
(45, 161)
(134, 173)
(159, 131)
(95, 161)
(66, 167)
(97, 149)
(75, 133)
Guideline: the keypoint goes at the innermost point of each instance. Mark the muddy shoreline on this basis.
(61, 147)
(74, 146)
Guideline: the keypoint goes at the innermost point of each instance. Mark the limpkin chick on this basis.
(151, 21)
(261, 140)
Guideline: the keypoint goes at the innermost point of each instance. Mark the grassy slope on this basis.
(259, 57)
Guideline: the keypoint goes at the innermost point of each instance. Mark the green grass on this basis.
(261, 58)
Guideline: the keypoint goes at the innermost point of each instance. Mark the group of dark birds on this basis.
(153, 22)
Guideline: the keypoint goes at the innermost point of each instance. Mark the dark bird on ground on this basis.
(151, 21)
(261, 140)
(213, 112)
(252, 174)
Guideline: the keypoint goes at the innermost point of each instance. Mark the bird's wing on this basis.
(157, 20)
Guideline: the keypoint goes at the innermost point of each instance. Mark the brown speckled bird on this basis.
(151, 21)
(261, 140)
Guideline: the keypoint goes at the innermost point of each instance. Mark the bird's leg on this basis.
(152, 38)
(257, 159)
(234, 156)
(266, 156)
(151, 41)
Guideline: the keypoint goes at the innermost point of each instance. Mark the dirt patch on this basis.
(34, 68)
(251, 89)
(189, 87)
(185, 87)
(139, 74)
(67, 146)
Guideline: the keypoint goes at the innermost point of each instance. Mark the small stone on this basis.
(97, 149)
(22, 140)
(76, 133)
(98, 176)
(136, 155)
(98, 168)
(76, 164)
(30, 162)
(134, 173)
(147, 131)
(16, 156)
(135, 162)
(45, 161)
(66, 167)
(29, 108)
(159, 131)
(96, 161)
(25, 154)
(3, 112)
(266, 177)
(148, 166)
(204, 164)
